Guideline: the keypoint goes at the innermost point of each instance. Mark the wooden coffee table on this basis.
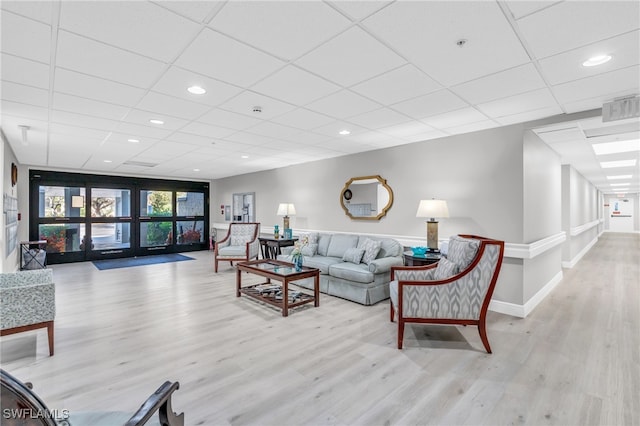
(284, 273)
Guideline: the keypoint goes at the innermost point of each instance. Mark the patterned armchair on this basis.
(27, 302)
(456, 290)
(241, 243)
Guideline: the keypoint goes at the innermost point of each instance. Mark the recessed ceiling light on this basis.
(196, 170)
(133, 140)
(107, 161)
(596, 60)
(621, 163)
(616, 147)
(344, 132)
(156, 121)
(196, 90)
(619, 184)
(619, 177)
(244, 156)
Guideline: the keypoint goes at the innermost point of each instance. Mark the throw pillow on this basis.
(462, 251)
(353, 255)
(371, 250)
(310, 249)
(312, 237)
(445, 269)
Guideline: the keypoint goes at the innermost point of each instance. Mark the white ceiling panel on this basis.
(85, 86)
(196, 10)
(25, 94)
(567, 66)
(410, 128)
(351, 57)
(303, 139)
(397, 85)
(471, 127)
(207, 130)
(106, 62)
(286, 29)
(458, 117)
(529, 115)
(427, 105)
(612, 84)
(430, 30)
(37, 10)
(137, 26)
(343, 104)
(221, 57)
(530, 101)
(175, 82)
(571, 24)
(172, 106)
(333, 129)
(379, 118)
(137, 130)
(24, 71)
(232, 120)
(137, 116)
(358, 10)
(18, 109)
(81, 120)
(273, 130)
(303, 119)
(78, 105)
(524, 78)
(246, 101)
(520, 8)
(32, 39)
(295, 85)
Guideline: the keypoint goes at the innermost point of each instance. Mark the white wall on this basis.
(9, 261)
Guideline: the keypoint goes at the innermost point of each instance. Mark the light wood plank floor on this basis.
(120, 333)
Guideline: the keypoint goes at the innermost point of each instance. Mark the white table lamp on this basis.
(432, 209)
(286, 209)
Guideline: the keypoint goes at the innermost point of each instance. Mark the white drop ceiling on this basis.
(87, 76)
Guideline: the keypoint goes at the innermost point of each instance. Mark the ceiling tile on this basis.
(471, 127)
(169, 105)
(358, 10)
(29, 39)
(23, 110)
(431, 104)
(233, 120)
(77, 132)
(69, 103)
(273, 130)
(105, 61)
(37, 10)
(24, 71)
(286, 29)
(529, 115)
(82, 85)
(303, 119)
(530, 101)
(304, 139)
(249, 138)
(137, 26)
(207, 130)
(397, 85)
(500, 85)
(565, 23)
(333, 129)
(567, 66)
(175, 82)
(407, 129)
(379, 118)
(24, 94)
(429, 31)
(455, 118)
(141, 117)
(210, 52)
(520, 8)
(296, 86)
(196, 10)
(246, 101)
(142, 131)
(351, 57)
(82, 120)
(612, 84)
(343, 104)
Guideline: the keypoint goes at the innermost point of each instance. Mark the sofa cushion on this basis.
(323, 244)
(340, 243)
(311, 237)
(352, 272)
(321, 262)
(310, 249)
(235, 251)
(389, 248)
(371, 249)
(445, 269)
(462, 251)
(353, 255)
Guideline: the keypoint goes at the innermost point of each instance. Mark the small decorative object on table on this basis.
(276, 232)
(419, 251)
(296, 255)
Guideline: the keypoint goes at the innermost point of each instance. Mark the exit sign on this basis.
(621, 109)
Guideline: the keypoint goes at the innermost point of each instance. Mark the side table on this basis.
(411, 259)
(270, 247)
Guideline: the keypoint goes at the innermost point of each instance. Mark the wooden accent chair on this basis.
(240, 244)
(27, 302)
(21, 406)
(456, 290)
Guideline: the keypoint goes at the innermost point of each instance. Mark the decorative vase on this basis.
(298, 263)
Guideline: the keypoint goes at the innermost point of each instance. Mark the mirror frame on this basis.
(384, 210)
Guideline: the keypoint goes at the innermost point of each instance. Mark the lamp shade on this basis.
(286, 209)
(432, 209)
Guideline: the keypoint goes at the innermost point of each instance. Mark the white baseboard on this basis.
(571, 263)
(521, 311)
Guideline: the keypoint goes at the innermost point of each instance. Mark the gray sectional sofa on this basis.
(353, 267)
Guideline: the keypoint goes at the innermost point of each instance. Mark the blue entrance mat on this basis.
(139, 261)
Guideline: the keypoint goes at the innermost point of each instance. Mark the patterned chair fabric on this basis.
(27, 302)
(240, 244)
(417, 295)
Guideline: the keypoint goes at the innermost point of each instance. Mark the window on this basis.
(61, 201)
(156, 203)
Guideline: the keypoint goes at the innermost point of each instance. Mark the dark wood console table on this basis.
(411, 259)
(270, 247)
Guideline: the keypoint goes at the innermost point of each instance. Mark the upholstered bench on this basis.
(27, 302)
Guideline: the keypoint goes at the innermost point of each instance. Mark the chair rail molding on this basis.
(577, 230)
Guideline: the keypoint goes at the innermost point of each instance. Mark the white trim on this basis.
(521, 311)
(577, 230)
(571, 263)
(531, 250)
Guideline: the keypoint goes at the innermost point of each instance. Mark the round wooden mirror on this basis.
(366, 198)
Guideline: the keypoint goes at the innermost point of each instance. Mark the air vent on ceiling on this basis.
(139, 163)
